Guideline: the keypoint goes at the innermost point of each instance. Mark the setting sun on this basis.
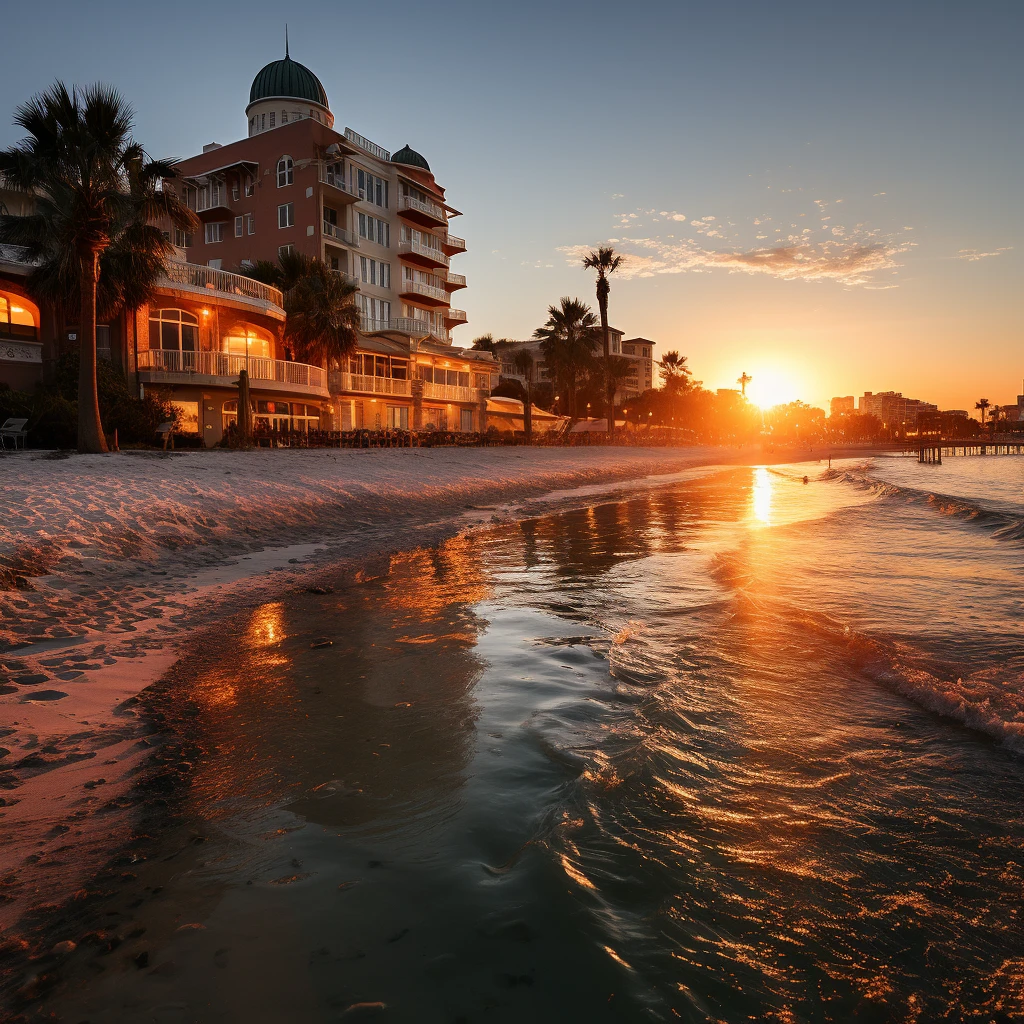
(768, 388)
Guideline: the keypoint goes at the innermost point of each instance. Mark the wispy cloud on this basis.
(848, 262)
(973, 255)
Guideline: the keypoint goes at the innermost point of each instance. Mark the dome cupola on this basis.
(284, 91)
(408, 156)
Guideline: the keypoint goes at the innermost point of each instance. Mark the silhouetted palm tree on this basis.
(485, 343)
(567, 341)
(523, 362)
(97, 201)
(675, 374)
(605, 262)
(982, 404)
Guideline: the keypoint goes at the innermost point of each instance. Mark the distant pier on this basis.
(932, 452)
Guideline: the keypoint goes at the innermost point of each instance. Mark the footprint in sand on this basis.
(41, 695)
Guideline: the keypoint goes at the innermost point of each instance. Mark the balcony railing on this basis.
(454, 242)
(220, 280)
(405, 325)
(457, 280)
(367, 384)
(223, 364)
(364, 143)
(419, 249)
(427, 290)
(328, 177)
(414, 205)
(346, 237)
(458, 315)
(448, 392)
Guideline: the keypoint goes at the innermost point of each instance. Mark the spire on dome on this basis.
(286, 54)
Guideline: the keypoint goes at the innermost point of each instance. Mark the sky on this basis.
(825, 196)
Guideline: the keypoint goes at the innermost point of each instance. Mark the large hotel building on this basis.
(294, 183)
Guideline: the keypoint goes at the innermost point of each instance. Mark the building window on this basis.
(374, 229)
(273, 119)
(398, 417)
(286, 216)
(378, 310)
(284, 117)
(285, 172)
(183, 239)
(283, 250)
(373, 189)
(250, 223)
(374, 272)
(215, 232)
(482, 380)
(263, 122)
(235, 191)
(238, 227)
(173, 330)
(248, 185)
(244, 340)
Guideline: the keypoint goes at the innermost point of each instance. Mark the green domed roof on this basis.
(288, 78)
(409, 156)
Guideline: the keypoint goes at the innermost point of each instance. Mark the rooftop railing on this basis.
(222, 281)
(364, 143)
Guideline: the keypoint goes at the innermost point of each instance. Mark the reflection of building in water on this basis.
(379, 724)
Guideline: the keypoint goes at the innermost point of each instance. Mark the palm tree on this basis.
(605, 262)
(97, 197)
(982, 404)
(523, 362)
(675, 374)
(567, 341)
(485, 343)
(323, 319)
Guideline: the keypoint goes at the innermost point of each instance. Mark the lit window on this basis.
(285, 172)
(286, 215)
(245, 340)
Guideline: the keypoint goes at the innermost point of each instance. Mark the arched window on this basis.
(18, 317)
(244, 340)
(173, 330)
(285, 172)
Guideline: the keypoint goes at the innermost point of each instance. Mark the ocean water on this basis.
(744, 748)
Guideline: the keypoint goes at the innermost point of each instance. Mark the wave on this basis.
(1004, 525)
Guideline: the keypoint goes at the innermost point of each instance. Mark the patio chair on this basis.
(15, 430)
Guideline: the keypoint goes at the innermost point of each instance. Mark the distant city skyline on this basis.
(831, 207)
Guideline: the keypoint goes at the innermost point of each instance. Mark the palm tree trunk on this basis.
(609, 386)
(90, 426)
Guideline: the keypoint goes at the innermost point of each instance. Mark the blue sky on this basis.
(826, 196)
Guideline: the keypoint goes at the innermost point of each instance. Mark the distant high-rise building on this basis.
(845, 406)
(895, 412)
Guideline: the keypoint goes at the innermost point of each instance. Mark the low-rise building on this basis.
(896, 413)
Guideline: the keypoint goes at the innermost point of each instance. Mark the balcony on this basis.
(211, 199)
(341, 381)
(448, 393)
(343, 236)
(421, 212)
(455, 281)
(425, 293)
(221, 369)
(452, 244)
(422, 255)
(340, 188)
(405, 325)
(192, 275)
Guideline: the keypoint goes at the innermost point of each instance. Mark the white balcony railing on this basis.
(370, 147)
(223, 364)
(448, 392)
(367, 384)
(221, 281)
(458, 315)
(405, 325)
(346, 237)
(454, 242)
(458, 280)
(419, 249)
(431, 210)
(427, 290)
